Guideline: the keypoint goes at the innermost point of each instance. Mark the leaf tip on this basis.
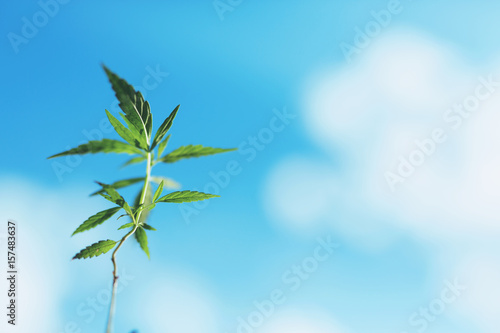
(105, 68)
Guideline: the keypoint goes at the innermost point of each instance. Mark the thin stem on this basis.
(136, 220)
(112, 306)
(145, 187)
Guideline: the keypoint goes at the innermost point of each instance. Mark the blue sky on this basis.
(321, 175)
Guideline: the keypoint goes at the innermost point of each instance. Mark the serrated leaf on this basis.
(167, 182)
(95, 249)
(162, 145)
(186, 196)
(142, 239)
(131, 102)
(127, 225)
(148, 227)
(101, 146)
(138, 135)
(122, 131)
(121, 183)
(134, 160)
(190, 151)
(163, 129)
(112, 195)
(158, 192)
(96, 219)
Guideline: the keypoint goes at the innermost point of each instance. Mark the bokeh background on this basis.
(326, 101)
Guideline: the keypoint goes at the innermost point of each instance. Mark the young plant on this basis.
(145, 147)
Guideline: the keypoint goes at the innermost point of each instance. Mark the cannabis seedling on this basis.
(139, 142)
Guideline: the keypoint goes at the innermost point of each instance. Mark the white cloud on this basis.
(480, 273)
(401, 78)
(41, 216)
(370, 114)
(300, 321)
(299, 193)
(177, 302)
(407, 71)
(304, 195)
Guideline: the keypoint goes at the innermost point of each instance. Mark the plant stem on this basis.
(112, 305)
(136, 220)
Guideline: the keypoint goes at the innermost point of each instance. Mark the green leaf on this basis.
(124, 132)
(126, 225)
(163, 129)
(148, 227)
(102, 146)
(158, 192)
(121, 184)
(112, 195)
(134, 160)
(192, 151)
(142, 238)
(95, 249)
(162, 145)
(167, 182)
(186, 196)
(138, 135)
(143, 108)
(131, 102)
(142, 207)
(149, 122)
(96, 219)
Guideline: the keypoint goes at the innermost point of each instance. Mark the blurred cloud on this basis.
(372, 113)
(378, 111)
(41, 256)
(403, 77)
(299, 193)
(480, 272)
(301, 321)
(177, 302)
